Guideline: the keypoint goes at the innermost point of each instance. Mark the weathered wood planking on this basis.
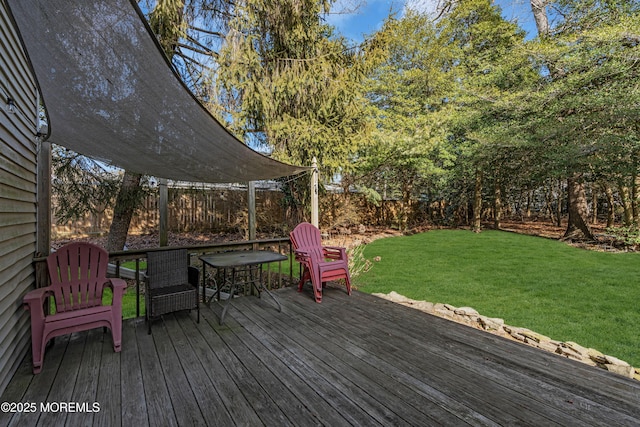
(352, 360)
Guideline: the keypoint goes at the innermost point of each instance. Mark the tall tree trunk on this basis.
(540, 16)
(559, 200)
(626, 204)
(577, 228)
(634, 194)
(405, 205)
(594, 204)
(477, 203)
(611, 212)
(497, 205)
(548, 202)
(126, 204)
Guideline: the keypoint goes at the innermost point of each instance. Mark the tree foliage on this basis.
(433, 91)
(465, 108)
(80, 185)
(407, 90)
(291, 85)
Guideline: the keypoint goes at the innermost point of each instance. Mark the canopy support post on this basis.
(251, 201)
(43, 209)
(314, 193)
(164, 210)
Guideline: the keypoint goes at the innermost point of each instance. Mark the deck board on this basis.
(344, 362)
(202, 390)
(435, 367)
(352, 360)
(528, 370)
(160, 410)
(108, 387)
(208, 346)
(133, 408)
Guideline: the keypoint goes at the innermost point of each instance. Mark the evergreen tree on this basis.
(291, 85)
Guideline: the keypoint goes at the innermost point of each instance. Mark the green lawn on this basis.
(566, 293)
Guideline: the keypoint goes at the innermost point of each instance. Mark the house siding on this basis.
(18, 223)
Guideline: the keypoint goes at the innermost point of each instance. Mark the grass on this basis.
(131, 265)
(566, 293)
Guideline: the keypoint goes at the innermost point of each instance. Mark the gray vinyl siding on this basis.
(17, 198)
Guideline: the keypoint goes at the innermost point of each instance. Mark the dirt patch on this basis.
(605, 241)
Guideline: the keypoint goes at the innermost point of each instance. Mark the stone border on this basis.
(470, 317)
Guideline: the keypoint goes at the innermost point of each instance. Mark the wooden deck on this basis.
(355, 360)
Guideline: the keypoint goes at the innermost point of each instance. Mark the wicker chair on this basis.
(172, 285)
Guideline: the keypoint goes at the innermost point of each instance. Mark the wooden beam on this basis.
(251, 201)
(43, 210)
(314, 193)
(163, 206)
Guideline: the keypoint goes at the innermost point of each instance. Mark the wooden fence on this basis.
(225, 210)
(211, 210)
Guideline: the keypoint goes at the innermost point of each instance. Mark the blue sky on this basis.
(357, 18)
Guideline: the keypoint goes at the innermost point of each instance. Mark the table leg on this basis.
(204, 282)
(232, 290)
(262, 287)
(255, 282)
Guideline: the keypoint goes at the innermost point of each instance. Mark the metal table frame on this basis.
(240, 263)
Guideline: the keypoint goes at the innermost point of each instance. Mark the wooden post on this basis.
(43, 209)
(251, 201)
(314, 193)
(477, 203)
(164, 211)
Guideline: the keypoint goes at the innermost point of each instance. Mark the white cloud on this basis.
(344, 10)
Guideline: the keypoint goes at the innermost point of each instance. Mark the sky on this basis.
(355, 19)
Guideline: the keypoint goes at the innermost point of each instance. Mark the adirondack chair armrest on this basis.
(334, 252)
(302, 253)
(118, 286)
(36, 298)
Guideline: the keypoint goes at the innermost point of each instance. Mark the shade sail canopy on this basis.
(111, 94)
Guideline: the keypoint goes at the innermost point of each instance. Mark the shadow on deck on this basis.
(356, 360)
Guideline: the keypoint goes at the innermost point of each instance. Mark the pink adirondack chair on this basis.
(78, 273)
(321, 264)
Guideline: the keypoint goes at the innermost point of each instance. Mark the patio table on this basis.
(235, 270)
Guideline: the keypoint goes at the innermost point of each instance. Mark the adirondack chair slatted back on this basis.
(167, 268)
(78, 272)
(307, 236)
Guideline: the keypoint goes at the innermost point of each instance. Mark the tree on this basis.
(406, 88)
(80, 185)
(583, 114)
(485, 60)
(290, 85)
(434, 87)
